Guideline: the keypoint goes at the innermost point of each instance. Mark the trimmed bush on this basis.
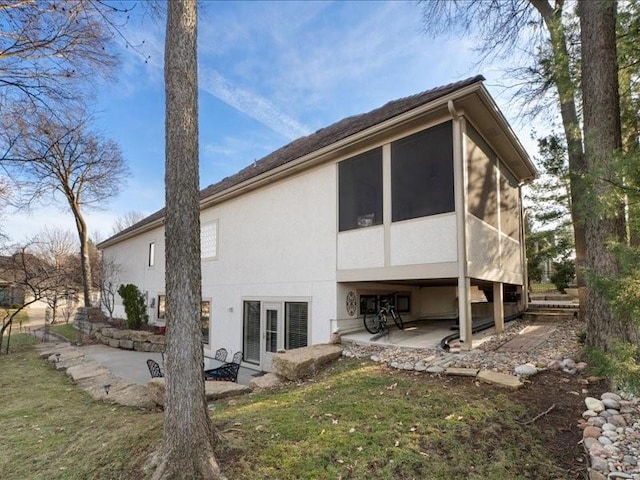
(134, 306)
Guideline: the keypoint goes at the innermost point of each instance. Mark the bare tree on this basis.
(188, 446)
(109, 282)
(541, 33)
(126, 220)
(49, 48)
(30, 279)
(603, 211)
(59, 250)
(56, 156)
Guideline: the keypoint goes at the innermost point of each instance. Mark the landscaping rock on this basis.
(304, 362)
(155, 388)
(594, 404)
(526, 370)
(212, 390)
(462, 372)
(133, 395)
(218, 390)
(86, 370)
(500, 379)
(269, 380)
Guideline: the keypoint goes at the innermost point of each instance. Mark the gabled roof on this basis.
(304, 146)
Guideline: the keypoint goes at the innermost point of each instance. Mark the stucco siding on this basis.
(424, 240)
(363, 248)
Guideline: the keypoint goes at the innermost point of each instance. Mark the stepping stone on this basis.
(461, 372)
(500, 379)
(86, 370)
(268, 380)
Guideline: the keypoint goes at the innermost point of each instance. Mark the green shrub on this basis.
(565, 272)
(621, 365)
(134, 306)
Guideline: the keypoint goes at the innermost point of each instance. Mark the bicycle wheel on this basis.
(398, 319)
(372, 323)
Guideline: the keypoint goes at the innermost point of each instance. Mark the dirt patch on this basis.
(559, 428)
(562, 395)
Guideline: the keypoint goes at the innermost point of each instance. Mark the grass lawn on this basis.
(355, 420)
(67, 331)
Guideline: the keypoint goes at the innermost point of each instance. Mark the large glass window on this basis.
(360, 190)
(251, 324)
(422, 173)
(296, 319)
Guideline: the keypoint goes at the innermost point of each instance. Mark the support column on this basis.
(464, 311)
(498, 307)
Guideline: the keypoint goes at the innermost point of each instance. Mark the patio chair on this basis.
(154, 369)
(227, 372)
(221, 355)
(237, 357)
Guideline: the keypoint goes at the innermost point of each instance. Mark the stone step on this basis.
(548, 317)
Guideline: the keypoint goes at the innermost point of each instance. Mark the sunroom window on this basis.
(422, 173)
(360, 190)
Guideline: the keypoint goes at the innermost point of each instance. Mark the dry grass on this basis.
(356, 420)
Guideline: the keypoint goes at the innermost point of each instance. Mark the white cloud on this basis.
(252, 104)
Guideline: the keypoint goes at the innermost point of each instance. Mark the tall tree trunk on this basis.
(85, 263)
(603, 216)
(188, 447)
(552, 18)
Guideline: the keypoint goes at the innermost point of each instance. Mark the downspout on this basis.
(464, 305)
(523, 249)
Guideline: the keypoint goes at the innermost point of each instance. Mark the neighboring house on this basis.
(420, 198)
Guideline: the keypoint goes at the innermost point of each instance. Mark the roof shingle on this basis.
(315, 141)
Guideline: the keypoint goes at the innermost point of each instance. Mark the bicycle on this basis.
(378, 322)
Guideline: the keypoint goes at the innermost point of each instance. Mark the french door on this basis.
(270, 326)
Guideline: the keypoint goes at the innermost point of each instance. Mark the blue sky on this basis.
(269, 72)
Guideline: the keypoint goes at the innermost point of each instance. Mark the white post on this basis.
(464, 311)
(498, 307)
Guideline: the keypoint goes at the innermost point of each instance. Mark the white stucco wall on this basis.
(273, 244)
(361, 248)
(424, 240)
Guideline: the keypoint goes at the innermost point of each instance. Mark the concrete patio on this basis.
(416, 334)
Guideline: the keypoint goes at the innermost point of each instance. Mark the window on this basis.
(162, 299)
(205, 315)
(373, 303)
(422, 174)
(482, 187)
(251, 325)
(360, 190)
(209, 240)
(509, 204)
(368, 304)
(152, 254)
(296, 317)
(403, 303)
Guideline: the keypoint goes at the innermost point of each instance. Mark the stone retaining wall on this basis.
(87, 320)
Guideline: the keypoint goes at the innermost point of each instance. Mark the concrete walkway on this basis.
(115, 375)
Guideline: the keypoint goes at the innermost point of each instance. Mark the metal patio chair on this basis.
(227, 372)
(154, 369)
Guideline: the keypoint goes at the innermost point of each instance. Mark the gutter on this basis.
(306, 161)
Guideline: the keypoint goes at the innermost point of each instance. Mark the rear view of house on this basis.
(418, 199)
